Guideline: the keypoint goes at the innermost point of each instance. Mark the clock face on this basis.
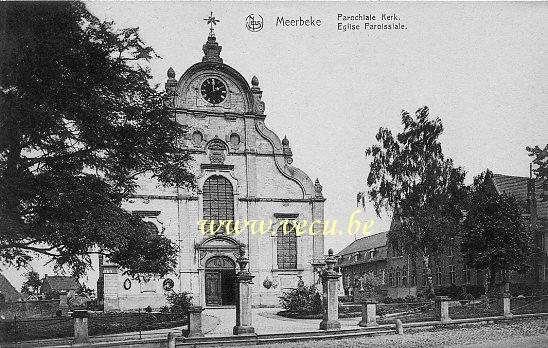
(213, 90)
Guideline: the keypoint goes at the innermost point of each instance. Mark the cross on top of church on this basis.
(211, 21)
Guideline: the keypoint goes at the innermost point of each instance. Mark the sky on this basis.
(482, 68)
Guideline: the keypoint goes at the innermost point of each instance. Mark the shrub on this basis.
(388, 299)
(346, 298)
(148, 309)
(179, 302)
(305, 300)
(409, 299)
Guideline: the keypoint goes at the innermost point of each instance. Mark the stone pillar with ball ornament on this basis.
(330, 298)
(243, 298)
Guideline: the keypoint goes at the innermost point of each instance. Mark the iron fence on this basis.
(487, 307)
(529, 304)
(406, 312)
(137, 325)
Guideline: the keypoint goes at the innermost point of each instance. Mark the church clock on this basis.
(213, 90)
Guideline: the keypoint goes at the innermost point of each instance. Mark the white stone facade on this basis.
(227, 139)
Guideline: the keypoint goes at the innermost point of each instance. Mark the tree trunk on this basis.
(426, 261)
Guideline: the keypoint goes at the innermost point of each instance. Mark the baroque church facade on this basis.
(243, 172)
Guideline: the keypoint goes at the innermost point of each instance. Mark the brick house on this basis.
(406, 276)
(366, 255)
(53, 285)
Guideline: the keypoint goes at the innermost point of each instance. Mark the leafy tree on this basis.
(494, 234)
(32, 283)
(79, 124)
(540, 159)
(410, 177)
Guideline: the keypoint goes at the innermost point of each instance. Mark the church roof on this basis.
(373, 241)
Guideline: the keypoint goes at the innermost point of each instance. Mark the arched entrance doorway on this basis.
(219, 281)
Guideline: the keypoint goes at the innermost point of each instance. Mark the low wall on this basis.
(29, 309)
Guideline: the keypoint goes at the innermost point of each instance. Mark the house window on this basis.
(391, 278)
(467, 276)
(438, 276)
(397, 278)
(383, 280)
(218, 200)
(404, 277)
(397, 249)
(287, 248)
(451, 251)
(452, 277)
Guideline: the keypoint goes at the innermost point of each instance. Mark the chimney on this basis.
(531, 200)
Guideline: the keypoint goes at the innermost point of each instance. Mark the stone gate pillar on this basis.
(442, 308)
(81, 335)
(330, 298)
(243, 298)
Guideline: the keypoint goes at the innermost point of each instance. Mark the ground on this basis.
(512, 334)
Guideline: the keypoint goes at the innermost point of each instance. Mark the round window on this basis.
(197, 138)
(234, 139)
(168, 284)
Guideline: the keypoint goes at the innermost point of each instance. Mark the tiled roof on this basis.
(62, 283)
(10, 293)
(376, 240)
(517, 187)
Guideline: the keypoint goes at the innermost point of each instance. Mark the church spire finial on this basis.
(211, 49)
(211, 21)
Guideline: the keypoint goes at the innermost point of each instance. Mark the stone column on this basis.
(171, 339)
(110, 287)
(369, 313)
(195, 322)
(81, 335)
(505, 304)
(63, 303)
(330, 299)
(442, 308)
(243, 298)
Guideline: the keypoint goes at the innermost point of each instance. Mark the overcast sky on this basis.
(481, 67)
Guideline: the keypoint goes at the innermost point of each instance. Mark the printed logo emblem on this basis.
(254, 22)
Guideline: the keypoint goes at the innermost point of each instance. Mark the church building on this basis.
(243, 172)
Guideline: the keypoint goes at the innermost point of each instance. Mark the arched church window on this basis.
(218, 200)
(151, 227)
(234, 139)
(287, 247)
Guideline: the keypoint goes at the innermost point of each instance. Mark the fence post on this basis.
(442, 308)
(369, 313)
(171, 339)
(195, 321)
(81, 334)
(330, 300)
(399, 327)
(505, 304)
